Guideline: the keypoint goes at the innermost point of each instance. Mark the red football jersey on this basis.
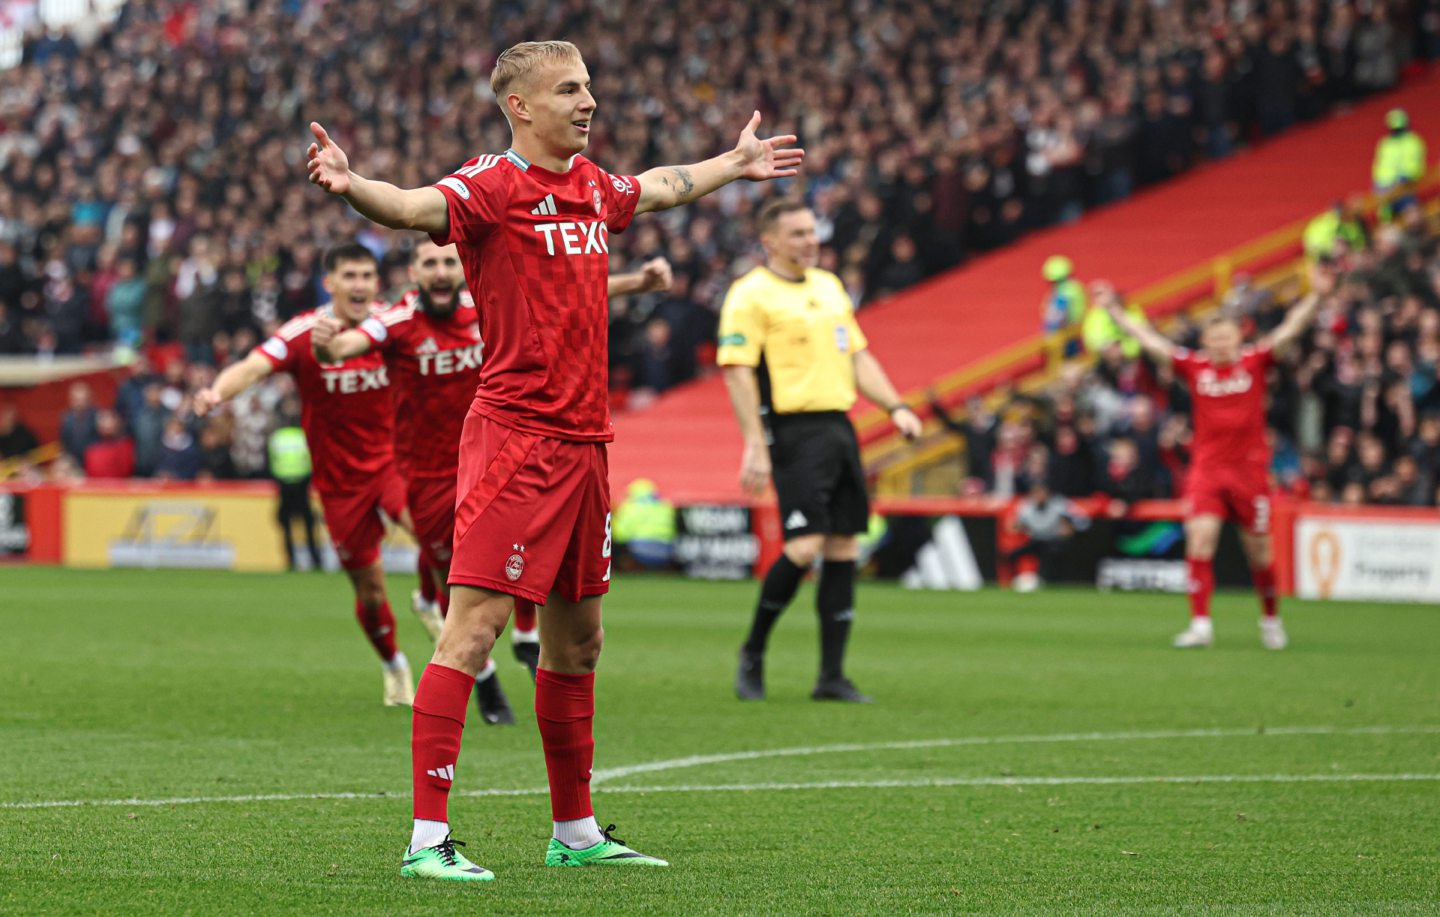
(1227, 409)
(435, 365)
(535, 248)
(346, 409)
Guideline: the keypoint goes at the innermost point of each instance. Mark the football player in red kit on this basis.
(532, 518)
(1229, 476)
(352, 453)
(431, 343)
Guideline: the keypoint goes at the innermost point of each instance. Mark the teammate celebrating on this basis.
(346, 415)
(533, 504)
(793, 357)
(430, 342)
(1229, 478)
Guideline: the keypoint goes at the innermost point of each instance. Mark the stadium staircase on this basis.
(1170, 249)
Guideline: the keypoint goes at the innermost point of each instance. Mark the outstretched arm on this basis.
(233, 380)
(333, 342)
(870, 378)
(654, 276)
(1159, 348)
(752, 159)
(1302, 315)
(380, 202)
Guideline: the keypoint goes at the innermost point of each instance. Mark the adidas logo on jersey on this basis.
(444, 773)
(546, 208)
(796, 520)
(428, 346)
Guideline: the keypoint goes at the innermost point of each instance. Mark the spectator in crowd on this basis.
(16, 439)
(112, 454)
(180, 458)
(77, 424)
(1124, 480)
(125, 305)
(216, 463)
(1048, 522)
(147, 423)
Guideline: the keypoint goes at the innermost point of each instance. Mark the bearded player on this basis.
(1229, 477)
(431, 342)
(346, 411)
(532, 516)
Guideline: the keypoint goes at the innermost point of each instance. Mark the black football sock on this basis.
(835, 602)
(775, 595)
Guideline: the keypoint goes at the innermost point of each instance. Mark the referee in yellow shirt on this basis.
(793, 357)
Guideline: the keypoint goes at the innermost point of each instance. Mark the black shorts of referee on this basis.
(819, 479)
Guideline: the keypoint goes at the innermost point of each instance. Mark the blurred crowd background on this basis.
(153, 199)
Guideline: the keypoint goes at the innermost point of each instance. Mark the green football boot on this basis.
(611, 851)
(443, 862)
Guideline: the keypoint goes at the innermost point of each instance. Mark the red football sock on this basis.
(379, 626)
(1265, 585)
(565, 709)
(427, 580)
(524, 614)
(436, 723)
(1202, 583)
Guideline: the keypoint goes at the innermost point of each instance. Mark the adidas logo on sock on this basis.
(444, 773)
(546, 208)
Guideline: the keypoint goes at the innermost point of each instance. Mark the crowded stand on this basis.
(150, 207)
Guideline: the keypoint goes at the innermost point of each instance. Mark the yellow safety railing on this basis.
(37, 456)
(900, 468)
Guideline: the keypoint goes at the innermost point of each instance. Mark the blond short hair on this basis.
(518, 62)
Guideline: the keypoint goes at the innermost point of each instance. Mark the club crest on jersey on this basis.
(595, 199)
(1210, 385)
(842, 338)
(515, 566)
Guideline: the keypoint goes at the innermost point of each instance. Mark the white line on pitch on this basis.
(697, 760)
(1158, 779)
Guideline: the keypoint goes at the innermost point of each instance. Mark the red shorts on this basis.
(532, 515)
(355, 521)
(432, 510)
(1241, 496)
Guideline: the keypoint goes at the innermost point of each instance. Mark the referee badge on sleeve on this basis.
(842, 338)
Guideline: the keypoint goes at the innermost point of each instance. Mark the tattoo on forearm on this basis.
(684, 183)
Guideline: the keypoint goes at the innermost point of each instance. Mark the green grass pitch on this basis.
(1043, 752)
